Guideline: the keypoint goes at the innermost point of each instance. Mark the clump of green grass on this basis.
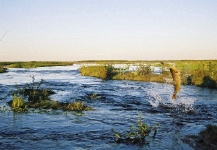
(76, 106)
(33, 96)
(34, 92)
(136, 134)
(18, 104)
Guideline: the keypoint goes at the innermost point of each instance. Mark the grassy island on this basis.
(32, 96)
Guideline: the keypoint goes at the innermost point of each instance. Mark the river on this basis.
(118, 108)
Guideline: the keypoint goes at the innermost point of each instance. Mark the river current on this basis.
(118, 108)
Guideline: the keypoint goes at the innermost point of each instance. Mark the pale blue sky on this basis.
(107, 29)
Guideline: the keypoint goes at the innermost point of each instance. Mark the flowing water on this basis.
(118, 109)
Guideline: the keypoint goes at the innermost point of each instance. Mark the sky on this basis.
(72, 30)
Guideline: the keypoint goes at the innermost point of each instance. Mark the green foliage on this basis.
(3, 69)
(193, 72)
(136, 134)
(76, 106)
(34, 93)
(104, 72)
(39, 98)
(109, 72)
(18, 104)
(35, 64)
(199, 73)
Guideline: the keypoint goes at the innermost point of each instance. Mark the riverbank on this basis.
(31, 64)
(193, 72)
(35, 64)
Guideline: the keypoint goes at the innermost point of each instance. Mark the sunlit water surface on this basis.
(122, 101)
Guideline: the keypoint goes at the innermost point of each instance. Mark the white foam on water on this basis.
(20, 76)
(182, 103)
(155, 99)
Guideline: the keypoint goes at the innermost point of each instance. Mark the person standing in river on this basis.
(176, 81)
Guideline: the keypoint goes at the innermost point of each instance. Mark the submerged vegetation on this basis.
(33, 96)
(136, 134)
(199, 73)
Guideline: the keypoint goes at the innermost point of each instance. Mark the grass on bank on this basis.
(34, 64)
(199, 73)
(101, 71)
